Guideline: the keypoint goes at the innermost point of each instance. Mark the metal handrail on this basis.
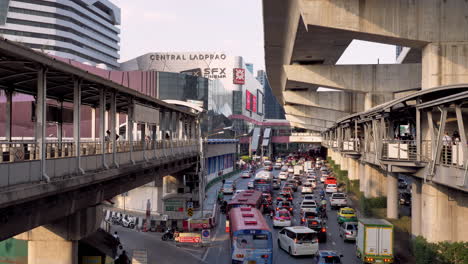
(29, 150)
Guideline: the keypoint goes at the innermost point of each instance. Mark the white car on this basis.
(282, 218)
(283, 175)
(331, 188)
(338, 200)
(250, 184)
(307, 188)
(309, 197)
(298, 240)
(228, 188)
(291, 170)
(308, 206)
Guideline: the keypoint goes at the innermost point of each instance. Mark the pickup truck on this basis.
(338, 200)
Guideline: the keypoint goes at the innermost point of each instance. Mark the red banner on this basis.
(254, 103)
(248, 97)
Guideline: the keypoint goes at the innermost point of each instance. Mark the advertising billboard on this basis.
(239, 76)
(254, 103)
(248, 98)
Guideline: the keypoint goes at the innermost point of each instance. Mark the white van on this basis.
(298, 240)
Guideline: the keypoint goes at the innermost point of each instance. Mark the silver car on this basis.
(349, 230)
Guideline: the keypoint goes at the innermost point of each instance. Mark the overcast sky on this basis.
(234, 27)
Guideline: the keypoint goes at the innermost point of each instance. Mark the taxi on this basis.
(347, 214)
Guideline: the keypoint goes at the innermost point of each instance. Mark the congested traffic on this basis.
(284, 210)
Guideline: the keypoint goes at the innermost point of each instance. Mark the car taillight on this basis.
(277, 208)
(264, 256)
(290, 209)
(324, 230)
(302, 220)
(387, 260)
(369, 259)
(348, 233)
(239, 255)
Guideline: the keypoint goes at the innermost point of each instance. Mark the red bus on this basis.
(251, 238)
(248, 198)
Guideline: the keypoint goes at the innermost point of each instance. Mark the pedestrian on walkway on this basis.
(116, 236)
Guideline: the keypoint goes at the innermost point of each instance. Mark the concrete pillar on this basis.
(445, 211)
(159, 201)
(170, 184)
(392, 195)
(344, 163)
(366, 183)
(353, 169)
(361, 176)
(444, 63)
(58, 242)
(416, 206)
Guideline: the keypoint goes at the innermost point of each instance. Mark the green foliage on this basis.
(439, 253)
(364, 205)
(246, 158)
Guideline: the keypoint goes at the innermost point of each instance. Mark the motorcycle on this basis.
(116, 220)
(168, 235)
(128, 222)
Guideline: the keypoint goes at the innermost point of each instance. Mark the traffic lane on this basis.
(159, 251)
(334, 242)
(219, 250)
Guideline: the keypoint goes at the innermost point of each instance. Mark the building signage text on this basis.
(164, 57)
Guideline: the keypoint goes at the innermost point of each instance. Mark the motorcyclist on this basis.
(220, 196)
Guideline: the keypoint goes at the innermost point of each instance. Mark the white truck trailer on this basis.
(374, 242)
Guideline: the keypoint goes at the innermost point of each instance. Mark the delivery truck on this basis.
(298, 169)
(374, 242)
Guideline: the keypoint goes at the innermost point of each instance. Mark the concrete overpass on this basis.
(305, 38)
(59, 181)
(370, 147)
(303, 41)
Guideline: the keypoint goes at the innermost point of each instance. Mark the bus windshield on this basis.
(253, 241)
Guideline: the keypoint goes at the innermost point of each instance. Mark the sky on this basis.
(233, 27)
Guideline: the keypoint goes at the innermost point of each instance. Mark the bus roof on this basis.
(247, 218)
(264, 175)
(247, 197)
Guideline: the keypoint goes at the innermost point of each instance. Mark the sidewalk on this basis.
(211, 198)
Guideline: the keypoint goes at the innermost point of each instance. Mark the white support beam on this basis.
(41, 120)
(77, 124)
(102, 127)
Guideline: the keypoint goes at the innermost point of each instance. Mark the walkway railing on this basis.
(452, 155)
(28, 150)
(405, 150)
(351, 146)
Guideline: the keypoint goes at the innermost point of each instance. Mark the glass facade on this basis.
(3, 11)
(214, 96)
(273, 110)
